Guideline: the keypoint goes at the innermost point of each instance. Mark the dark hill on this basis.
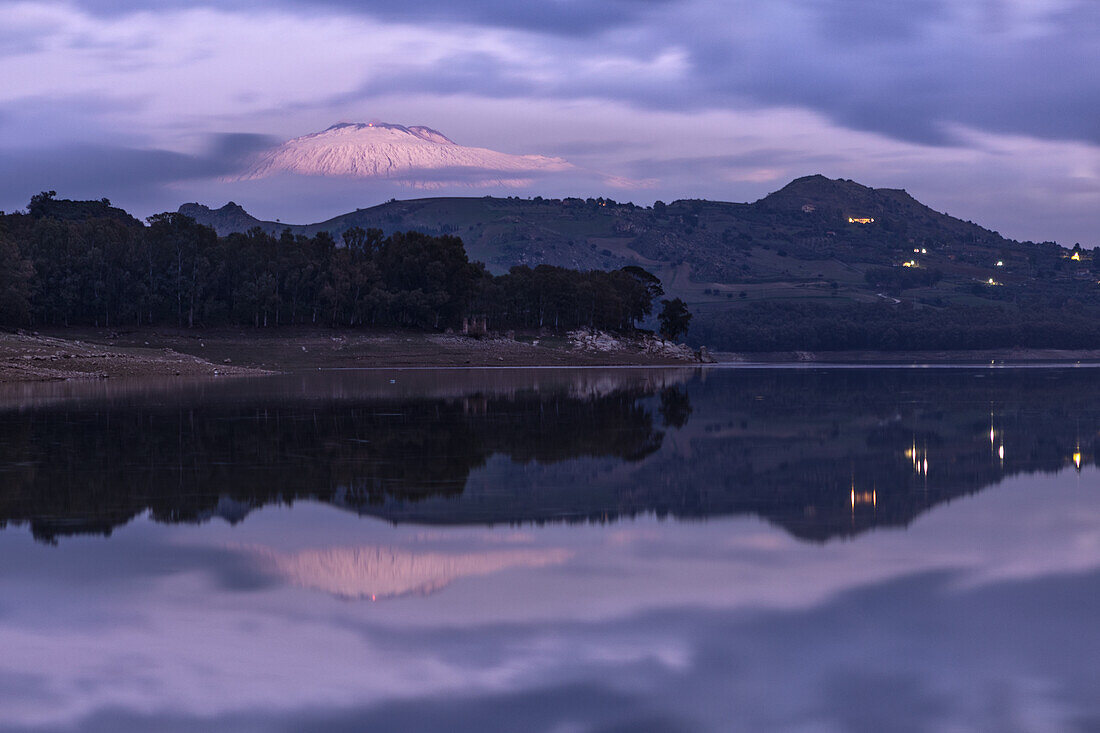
(45, 206)
(226, 220)
(831, 249)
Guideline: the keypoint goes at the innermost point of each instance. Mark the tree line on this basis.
(86, 263)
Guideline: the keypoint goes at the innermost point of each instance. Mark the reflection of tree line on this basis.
(821, 453)
(68, 471)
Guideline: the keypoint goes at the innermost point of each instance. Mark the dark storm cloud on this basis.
(94, 171)
(910, 72)
(478, 72)
(716, 164)
(873, 21)
(567, 17)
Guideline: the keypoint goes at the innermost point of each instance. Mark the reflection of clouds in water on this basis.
(710, 625)
(387, 572)
(912, 654)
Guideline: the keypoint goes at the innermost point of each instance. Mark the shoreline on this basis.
(87, 353)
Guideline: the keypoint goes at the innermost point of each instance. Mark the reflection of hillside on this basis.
(821, 453)
(835, 453)
(383, 572)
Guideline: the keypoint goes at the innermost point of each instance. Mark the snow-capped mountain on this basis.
(419, 154)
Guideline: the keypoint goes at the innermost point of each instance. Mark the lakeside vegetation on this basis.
(789, 272)
(85, 263)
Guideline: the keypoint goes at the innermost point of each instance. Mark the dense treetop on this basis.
(67, 263)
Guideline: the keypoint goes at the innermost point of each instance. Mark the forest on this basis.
(86, 263)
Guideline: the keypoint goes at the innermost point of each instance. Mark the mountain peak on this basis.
(228, 219)
(386, 150)
(854, 199)
(419, 131)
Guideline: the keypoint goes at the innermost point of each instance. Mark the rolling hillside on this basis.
(816, 242)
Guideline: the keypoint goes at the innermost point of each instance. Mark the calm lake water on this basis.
(554, 550)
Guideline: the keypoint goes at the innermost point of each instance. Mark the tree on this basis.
(40, 203)
(674, 318)
(15, 285)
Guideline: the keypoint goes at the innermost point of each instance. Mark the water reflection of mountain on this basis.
(830, 453)
(821, 453)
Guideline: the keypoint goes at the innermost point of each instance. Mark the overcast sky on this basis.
(986, 109)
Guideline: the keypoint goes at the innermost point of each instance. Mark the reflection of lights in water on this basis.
(863, 498)
(1077, 459)
(1001, 452)
(919, 457)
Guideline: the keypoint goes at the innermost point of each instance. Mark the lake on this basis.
(757, 549)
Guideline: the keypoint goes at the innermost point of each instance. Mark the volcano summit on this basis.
(424, 157)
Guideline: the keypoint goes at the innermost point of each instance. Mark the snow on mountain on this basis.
(421, 155)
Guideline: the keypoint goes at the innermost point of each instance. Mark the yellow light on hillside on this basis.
(1000, 263)
(1076, 257)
